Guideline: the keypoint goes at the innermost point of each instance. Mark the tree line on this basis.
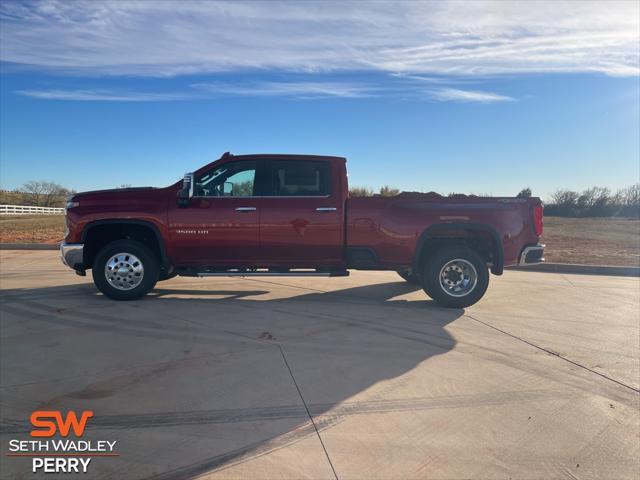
(591, 202)
(36, 193)
(596, 202)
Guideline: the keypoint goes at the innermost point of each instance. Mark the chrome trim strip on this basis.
(326, 209)
(246, 209)
(523, 255)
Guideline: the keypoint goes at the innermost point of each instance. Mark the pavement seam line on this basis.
(308, 412)
(555, 354)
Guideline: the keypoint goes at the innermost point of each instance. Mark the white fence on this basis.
(29, 210)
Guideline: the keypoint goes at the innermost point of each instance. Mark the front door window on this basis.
(233, 179)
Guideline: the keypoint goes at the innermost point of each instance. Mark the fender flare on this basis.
(164, 259)
(498, 264)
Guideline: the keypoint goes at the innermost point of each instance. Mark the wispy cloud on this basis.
(296, 89)
(457, 95)
(144, 38)
(104, 95)
(428, 79)
(301, 90)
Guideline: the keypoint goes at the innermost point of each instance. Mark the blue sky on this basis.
(467, 97)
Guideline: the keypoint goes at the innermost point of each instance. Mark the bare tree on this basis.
(594, 197)
(565, 198)
(388, 191)
(43, 194)
(360, 192)
(629, 196)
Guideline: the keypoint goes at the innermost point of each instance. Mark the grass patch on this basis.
(31, 228)
(592, 241)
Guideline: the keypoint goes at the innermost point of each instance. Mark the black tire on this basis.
(428, 289)
(147, 259)
(167, 276)
(409, 277)
(433, 287)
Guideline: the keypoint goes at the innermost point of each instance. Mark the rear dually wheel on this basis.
(456, 277)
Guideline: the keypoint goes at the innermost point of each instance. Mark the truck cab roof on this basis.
(284, 156)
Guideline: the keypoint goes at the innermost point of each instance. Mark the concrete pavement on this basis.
(360, 377)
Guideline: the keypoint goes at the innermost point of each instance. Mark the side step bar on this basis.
(268, 274)
(262, 273)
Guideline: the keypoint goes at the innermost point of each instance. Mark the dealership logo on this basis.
(48, 427)
(60, 455)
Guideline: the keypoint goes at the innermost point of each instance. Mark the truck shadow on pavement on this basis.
(240, 372)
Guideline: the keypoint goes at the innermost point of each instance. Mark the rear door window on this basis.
(300, 178)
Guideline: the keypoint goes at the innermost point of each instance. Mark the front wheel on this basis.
(455, 277)
(125, 270)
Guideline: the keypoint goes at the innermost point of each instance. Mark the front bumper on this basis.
(73, 255)
(532, 254)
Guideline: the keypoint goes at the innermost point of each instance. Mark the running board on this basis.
(264, 273)
(268, 274)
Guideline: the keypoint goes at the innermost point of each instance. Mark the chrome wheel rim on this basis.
(124, 271)
(458, 277)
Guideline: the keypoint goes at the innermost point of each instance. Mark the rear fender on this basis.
(441, 230)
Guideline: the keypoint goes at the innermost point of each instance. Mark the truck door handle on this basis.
(326, 209)
(246, 209)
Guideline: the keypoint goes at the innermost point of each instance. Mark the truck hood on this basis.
(119, 196)
(111, 192)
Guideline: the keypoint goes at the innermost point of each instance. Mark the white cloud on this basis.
(298, 89)
(457, 95)
(164, 38)
(103, 95)
(303, 90)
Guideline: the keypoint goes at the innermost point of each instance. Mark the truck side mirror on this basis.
(186, 192)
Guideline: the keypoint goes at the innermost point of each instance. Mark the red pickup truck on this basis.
(275, 215)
